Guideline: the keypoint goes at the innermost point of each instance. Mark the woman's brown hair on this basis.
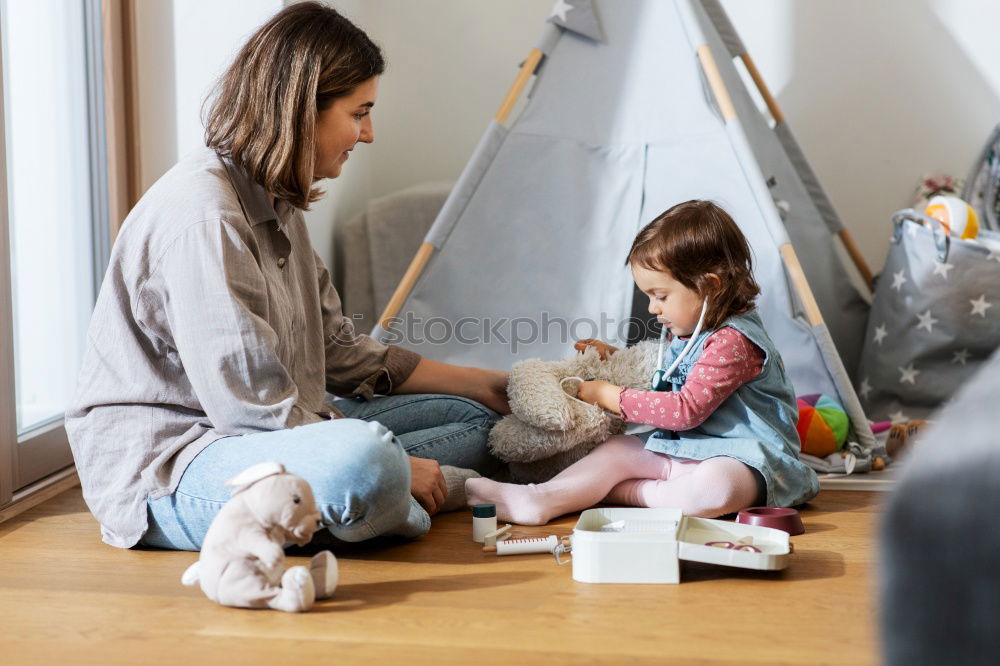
(692, 240)
(264, 108)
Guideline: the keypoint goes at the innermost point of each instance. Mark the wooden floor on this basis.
(66, 598)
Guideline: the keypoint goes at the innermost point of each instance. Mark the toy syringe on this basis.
(534, 545)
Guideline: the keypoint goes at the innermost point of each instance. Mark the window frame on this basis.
(41, 456)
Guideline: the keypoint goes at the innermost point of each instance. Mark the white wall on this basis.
(183, 47)
(877, 92)
(450, 64)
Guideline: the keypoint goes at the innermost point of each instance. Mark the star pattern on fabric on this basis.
(942, 269)
(880, 332)
(927, 321)
(899, 279)
(980, 305)
(908, 375)
(865, 389)
(898, 416)
(560, 9)
(961, 356)
(994, 255)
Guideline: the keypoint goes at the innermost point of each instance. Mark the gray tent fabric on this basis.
(578, 17)
(938, 579)
(532, 242)
(725, 28)
(935, 318)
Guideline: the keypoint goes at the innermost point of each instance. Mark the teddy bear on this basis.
(242, 561)
(548, 429)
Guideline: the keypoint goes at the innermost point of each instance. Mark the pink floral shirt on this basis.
(728, 360)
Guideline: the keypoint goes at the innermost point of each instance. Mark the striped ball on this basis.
(822, 424)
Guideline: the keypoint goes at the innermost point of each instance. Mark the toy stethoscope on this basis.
(661, 378)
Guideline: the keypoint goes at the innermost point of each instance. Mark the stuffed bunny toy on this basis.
(548, 429)
(243, 557)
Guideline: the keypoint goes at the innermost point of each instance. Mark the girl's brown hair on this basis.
(692, 240)
(263, 111)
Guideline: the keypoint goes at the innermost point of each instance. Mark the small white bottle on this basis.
(484, 521)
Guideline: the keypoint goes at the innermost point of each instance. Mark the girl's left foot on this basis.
(517, 504)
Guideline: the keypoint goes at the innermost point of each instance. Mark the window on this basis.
(53, 224)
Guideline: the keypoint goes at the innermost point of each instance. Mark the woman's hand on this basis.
(601, 393)
(604, 350)
(427, 485)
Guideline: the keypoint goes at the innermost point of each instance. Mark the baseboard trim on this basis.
(884, 480)
(40, 491)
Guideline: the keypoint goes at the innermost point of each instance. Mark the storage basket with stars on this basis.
(935, 318)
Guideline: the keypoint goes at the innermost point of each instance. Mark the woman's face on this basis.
(338, 128)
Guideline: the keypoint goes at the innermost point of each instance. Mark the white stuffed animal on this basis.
(243, 557)
(548, 430)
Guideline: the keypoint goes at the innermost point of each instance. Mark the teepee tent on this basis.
(636, 105)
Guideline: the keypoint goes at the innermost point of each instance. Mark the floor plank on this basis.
(66, 597)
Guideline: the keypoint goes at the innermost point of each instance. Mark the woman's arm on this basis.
(488, 387)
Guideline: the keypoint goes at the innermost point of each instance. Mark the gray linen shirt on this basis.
(216, 318)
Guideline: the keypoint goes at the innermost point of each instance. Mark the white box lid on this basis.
(695, 533)
(641, 526)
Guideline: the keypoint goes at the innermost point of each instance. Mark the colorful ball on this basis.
(822, 425)
(957, 217)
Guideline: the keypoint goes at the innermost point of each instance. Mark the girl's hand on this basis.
(604, 350)
(601, 393)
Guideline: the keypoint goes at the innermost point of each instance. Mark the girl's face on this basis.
(674, 305)
(341, 126)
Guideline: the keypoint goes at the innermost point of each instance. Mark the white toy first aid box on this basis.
(617, 545)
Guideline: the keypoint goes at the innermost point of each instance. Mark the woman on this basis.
(217, 331)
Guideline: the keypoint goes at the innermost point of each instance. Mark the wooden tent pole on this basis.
(779, 117)
(800, 283)
(419, 262)
(765, 92)
(405, 285)
(714, 77)
(790, 259)
(523, 76)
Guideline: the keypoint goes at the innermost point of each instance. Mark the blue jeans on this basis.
(358, 467)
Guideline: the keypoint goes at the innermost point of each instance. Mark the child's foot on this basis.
(517, 504)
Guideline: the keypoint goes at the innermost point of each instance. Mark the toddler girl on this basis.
(725, 415)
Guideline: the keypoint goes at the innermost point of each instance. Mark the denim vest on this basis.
(755, 425)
